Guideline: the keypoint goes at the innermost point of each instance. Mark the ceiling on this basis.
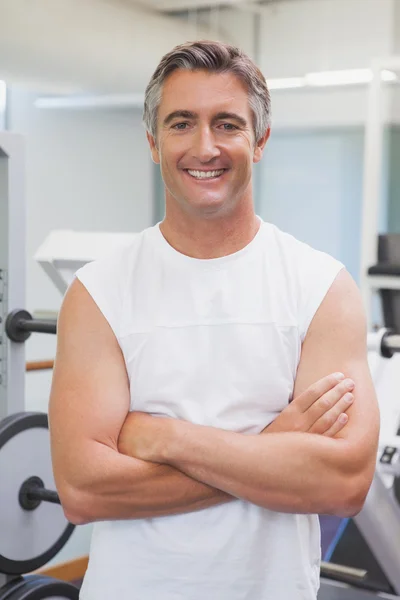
(184, 5)
(170, 6)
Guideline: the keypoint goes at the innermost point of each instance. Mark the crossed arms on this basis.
(109, 464)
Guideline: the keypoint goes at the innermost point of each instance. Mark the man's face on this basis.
(205, 142)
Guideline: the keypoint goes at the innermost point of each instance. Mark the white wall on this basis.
(85, 170)
(308, 36)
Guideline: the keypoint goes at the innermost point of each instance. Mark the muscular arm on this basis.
(88, 405)
(293, 472)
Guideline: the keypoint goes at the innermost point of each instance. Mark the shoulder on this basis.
(342, 311)
(309, 273)
(294, 249)
(107, 278)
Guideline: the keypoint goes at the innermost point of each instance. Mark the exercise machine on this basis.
(33, 528)
(366, 550)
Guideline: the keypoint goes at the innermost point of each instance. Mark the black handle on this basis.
(33, 492)
(20, 324)
(38, 325)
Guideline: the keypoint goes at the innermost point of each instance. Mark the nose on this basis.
(204, 147)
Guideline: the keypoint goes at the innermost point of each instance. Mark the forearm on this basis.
(285, 472)
(112, 486)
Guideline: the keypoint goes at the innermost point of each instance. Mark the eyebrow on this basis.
(233, 116)
(179, 114)
(187, 114)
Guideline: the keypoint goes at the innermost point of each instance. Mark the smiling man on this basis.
(211, 392)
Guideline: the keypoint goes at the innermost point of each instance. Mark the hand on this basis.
(320, 409)
(144, 436)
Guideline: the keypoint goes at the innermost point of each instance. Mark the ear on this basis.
(259, 148)
(153, 148)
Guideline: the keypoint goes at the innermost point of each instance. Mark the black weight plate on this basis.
(28, 539)
(41, 588)
(11, 588)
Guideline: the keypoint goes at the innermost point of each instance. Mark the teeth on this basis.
(205, 174)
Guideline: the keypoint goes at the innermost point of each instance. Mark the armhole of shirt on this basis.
(322, 270)
(102, 279)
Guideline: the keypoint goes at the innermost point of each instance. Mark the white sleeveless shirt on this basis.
(216, 342)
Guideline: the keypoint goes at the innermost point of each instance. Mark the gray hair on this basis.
(215, 57)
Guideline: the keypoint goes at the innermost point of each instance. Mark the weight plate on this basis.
(28, 539)
(40, 588)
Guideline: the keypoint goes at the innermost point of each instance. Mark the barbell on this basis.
(33, 527)
(20, 324)
(36, 587)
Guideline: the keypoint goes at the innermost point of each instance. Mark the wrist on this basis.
(173, 443)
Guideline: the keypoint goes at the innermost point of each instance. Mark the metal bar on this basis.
(392, 342)
(383, 342)
(379, 523)
(382, 282)
(43, 494)
(12, 269)
(373, 150)
(38, 325)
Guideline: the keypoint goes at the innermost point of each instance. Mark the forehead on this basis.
(203, 92)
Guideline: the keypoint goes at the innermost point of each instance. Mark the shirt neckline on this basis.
(211, 263)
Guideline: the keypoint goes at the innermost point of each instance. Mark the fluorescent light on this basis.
(329, 78)
(286, 83)
(346, 77)
(111, 101)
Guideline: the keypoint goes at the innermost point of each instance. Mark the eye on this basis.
(179, 126)
(229, 126)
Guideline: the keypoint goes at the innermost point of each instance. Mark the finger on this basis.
(329, 418)
(328, 401)
(315, 391)
(340, 422)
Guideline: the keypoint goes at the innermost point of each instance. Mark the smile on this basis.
(205, 174)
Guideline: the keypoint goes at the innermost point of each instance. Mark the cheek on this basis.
(242, 149)
(174, 148)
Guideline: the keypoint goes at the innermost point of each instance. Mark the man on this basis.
(199, 412)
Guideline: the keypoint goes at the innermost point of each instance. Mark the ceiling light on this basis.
(286, 83)
(110, 101)
(346, 77)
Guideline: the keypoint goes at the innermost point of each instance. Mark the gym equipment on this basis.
(330, 590)
(39, 588)
(27, 506)
(33, 527)
(373, 280)
(20, 324)
(366, 551)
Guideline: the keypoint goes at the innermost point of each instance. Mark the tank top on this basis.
(216, 342)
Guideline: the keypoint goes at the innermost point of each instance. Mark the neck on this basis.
(207, 238)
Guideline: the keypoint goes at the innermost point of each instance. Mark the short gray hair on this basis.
(215, 57)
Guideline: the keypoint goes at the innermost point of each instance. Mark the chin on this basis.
(209, 209)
